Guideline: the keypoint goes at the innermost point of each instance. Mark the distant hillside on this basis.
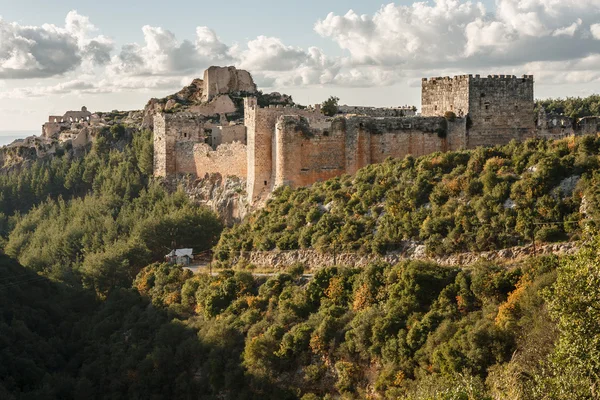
(476, 200)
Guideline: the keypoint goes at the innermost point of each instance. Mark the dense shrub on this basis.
(482, 199)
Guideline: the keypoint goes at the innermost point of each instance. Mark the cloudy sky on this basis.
(61, 54)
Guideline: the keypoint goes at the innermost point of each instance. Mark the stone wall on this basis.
(405, 111)
(554, 126)
(260, 129)
(439, 95)
(314, 260)
(200, 159)
(228, 134)
(171, 130)
(589, 126)
(306, 153)
(501, 108)
(164, 148)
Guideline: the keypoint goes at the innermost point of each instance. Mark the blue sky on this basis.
(62, 54)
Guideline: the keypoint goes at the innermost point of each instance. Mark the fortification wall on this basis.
(378, 111)
(307, 154)
(200, 159)
(260, 129)
(439, 95)
(501, 108)
(310, 152)
(397, 137)
(164, 148)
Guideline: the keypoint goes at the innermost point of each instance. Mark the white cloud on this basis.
(595, 30)
(557, 40)
(461, 34)
(568, 30)
(163, 54)
(49, 50)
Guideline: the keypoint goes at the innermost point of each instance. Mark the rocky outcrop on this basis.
(313, 259)
(225, 196)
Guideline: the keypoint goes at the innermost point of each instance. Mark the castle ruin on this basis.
(281, 145)
(59, 123)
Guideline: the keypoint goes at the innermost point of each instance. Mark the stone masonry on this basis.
(499, 108)
(295, 146)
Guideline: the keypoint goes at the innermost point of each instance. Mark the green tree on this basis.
(574, 303)
(330, 106)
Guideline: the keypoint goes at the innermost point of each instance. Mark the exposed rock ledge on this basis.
(224, 195)
(314, 259)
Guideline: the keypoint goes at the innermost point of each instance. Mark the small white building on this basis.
(180, 257)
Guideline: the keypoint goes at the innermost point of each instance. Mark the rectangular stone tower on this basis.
(171, 131)
(499, 108)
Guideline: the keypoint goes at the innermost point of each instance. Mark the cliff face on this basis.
(225, 196)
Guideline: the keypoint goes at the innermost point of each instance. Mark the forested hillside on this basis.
(87, 313)
(475, 200)
(96, 220)
(410, 331)
(63, 343)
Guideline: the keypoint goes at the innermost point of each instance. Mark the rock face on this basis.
(224, 80)
(313, 259)
(225, 196)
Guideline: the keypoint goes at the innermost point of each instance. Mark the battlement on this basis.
(251, 103)
(179, 115)
(464, 78)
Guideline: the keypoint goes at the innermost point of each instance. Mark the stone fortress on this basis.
(228, 133)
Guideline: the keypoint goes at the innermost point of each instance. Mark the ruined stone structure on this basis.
(275, 145)
(404, 111)
(218, 80)
(58, 123)
(186, 143)
(260, 129)
(305, 152)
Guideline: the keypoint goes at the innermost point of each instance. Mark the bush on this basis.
(450, 116)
